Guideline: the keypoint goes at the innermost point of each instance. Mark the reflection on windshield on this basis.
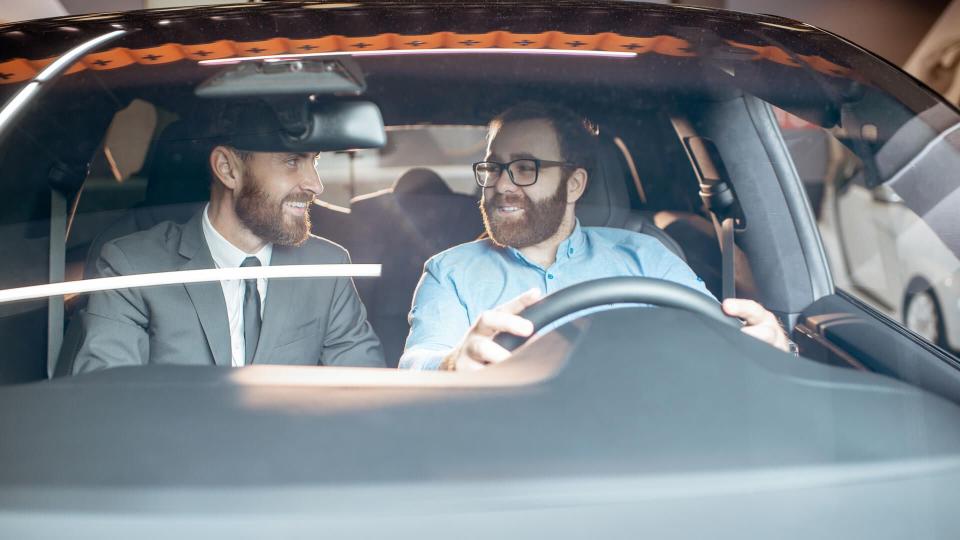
(166, 190)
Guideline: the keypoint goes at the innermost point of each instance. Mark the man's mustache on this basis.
(304, 197)
(507, 200)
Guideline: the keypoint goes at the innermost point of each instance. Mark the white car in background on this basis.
(876, 245)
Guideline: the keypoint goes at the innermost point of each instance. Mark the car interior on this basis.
(623, 419)
(647, 180)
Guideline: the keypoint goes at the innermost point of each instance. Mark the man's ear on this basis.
(226, 167)
(576, 185)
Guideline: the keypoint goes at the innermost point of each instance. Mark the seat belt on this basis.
(718, 196)
(57, 274)
(728, 249)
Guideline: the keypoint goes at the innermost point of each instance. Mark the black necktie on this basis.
(251, 313)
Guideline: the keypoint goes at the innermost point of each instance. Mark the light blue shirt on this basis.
(462, 282)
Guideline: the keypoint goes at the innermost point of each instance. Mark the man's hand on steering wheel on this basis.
(477, 349)
(760, 323)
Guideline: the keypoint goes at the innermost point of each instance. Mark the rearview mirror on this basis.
(306, 127)
(346, 125)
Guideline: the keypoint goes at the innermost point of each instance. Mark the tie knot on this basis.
(250, 261)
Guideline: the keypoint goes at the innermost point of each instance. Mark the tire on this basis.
(922, 315)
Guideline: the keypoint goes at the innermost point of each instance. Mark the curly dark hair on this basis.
(576, 134)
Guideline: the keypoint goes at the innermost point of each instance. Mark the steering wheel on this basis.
(615, 290)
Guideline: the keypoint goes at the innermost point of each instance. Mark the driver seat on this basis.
(606, 202)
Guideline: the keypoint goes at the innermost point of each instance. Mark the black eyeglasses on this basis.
(522, 172)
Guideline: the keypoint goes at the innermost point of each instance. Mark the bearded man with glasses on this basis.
(538, 162)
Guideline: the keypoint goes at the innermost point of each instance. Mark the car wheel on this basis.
(922, 315)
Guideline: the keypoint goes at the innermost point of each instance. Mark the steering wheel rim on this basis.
(615, 290)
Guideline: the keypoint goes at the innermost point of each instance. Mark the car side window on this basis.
(879, 249)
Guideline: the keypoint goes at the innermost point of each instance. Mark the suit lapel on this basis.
(207, 297)
(281, 299)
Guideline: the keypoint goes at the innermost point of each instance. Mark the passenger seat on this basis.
(400, 229)
(178, 185)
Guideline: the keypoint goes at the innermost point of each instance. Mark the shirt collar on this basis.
(571, 247)
(225, 254)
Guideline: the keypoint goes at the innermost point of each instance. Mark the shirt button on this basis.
(570, 251)
(549, 276)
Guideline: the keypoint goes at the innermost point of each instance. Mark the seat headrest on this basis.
(178, 171)
(421, 181)
(606, 202)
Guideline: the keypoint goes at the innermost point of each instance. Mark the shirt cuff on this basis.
(422, 359)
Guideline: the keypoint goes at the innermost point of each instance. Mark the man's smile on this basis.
(296, 207)
(509, 210)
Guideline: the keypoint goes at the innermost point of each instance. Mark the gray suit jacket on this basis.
(317, 321)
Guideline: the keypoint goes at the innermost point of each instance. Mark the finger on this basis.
(486, 351)
(521, 302)
(748, 310)
(761, 332)
(492, 322)
(769, 334)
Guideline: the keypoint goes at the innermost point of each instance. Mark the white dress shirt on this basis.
(227, 255)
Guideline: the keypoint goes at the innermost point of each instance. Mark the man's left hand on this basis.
(760, 323)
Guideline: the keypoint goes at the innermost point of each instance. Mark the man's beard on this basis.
(540, 220)
(265, 217)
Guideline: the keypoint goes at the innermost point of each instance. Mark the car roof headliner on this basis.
(705, 32)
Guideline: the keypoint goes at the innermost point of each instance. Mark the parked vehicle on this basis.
(621, 423)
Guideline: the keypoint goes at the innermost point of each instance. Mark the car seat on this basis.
(400, 229)
(178, 185)
(606, 202)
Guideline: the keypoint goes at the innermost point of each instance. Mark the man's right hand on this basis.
(477, 349)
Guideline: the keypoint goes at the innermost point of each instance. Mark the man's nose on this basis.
(504, 184)
(311, 181)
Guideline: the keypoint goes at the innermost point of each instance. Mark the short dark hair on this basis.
(576, 135)
(244, 155)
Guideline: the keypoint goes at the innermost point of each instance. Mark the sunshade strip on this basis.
(188, 276)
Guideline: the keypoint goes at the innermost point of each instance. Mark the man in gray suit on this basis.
(257, 215)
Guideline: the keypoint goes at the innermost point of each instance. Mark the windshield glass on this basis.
(162, 153)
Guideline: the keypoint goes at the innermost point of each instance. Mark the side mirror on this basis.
(885, 194)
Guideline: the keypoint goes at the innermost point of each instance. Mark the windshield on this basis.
(122, 164)
(517, 267)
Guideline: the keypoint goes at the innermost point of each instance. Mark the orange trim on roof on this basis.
(41, 64)
(367, 43)
(471, 41)
(666, 45)
(262, 48)
(18, 70)
(163, 54)
(426, 41)
(320, 45)
(508, 40)
(575, 42)
(112, 59)
(825, 66)
(210, 51)
(767, 52)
